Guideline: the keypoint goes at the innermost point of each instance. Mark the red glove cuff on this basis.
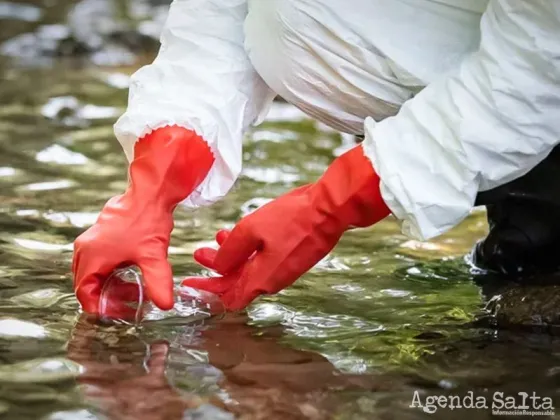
(169, 163)
(350, 190)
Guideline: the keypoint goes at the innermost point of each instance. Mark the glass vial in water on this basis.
(124, 299)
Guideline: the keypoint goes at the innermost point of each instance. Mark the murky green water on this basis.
(381, 317)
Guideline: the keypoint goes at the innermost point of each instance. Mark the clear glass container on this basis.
(124, 300)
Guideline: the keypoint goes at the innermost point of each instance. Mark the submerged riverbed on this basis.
(380, 318)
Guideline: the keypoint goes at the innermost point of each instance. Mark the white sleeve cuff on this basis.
(429, 196)
(202, 80)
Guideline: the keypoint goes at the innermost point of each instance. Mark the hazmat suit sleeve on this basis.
(489, 122)
(201, 80)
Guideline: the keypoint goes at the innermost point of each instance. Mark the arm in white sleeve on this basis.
(202, 80)
(490, 122)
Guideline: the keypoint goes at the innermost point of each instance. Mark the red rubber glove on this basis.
(271, 248)
(135, 228)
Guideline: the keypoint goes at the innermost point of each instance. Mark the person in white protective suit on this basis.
(458, 102)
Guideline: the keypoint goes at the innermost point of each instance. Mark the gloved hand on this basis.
(135, 228)
(271, 248)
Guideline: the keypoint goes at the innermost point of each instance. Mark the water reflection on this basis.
(18, 328)
(50, 185)
(244, 370)
(27, 13)
(123, 377)
(60, 155)
(7, 171)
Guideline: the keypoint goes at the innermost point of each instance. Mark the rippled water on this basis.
(382, 316)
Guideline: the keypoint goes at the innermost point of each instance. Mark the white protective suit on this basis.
(454, 97)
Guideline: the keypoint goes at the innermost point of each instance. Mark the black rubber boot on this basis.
(524, 220)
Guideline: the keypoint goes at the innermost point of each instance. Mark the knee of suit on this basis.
(325, 62)
(341, 63)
